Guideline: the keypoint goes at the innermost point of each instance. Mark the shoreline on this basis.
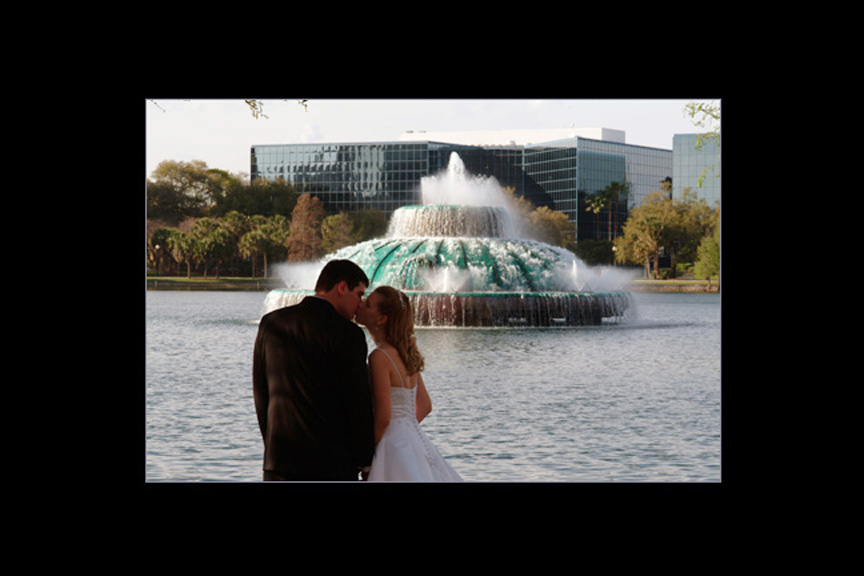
(267, 284)
(223, 284)
(684, 286)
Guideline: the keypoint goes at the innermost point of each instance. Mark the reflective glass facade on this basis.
(386, 175)
(568, 173)
(689, 164)
(350, 177)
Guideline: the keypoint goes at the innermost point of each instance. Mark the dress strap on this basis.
(394, 366)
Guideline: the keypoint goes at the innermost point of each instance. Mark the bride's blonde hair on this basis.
(399, 329)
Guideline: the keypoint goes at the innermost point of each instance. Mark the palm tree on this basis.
(614, 193)
(595, 204)
(182, 248)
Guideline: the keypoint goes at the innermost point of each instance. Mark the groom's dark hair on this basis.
(338, 270)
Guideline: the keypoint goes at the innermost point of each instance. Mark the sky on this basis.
(222, 132)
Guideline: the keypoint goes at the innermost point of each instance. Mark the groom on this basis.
(311, 383)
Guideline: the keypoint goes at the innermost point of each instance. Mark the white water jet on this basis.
(299, 275)
(456, 187)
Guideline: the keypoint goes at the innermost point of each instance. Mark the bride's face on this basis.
(369, 314)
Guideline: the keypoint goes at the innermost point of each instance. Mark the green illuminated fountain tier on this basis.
(464, 266)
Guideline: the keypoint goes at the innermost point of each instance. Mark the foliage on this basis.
(595, 252)
(249, 243)
(370, 223)
(304, 241)
(215, 221)
(540, 223)
(609, 200)
(256, 107)
(211, 243)
(707, 264)
(595, 204)
(705, 115)
(179, 190)
(663, 224)
(265, 238)
(338, 231)
(182, 249)
(258, 197)
(552, 227)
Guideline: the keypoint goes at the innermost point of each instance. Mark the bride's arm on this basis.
(380, 373)
(424, 402)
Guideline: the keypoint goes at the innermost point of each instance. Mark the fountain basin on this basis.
(498, 309)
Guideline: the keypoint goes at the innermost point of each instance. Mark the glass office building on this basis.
(386, 175)
(359, 176)
(566, 174)
(690, 164)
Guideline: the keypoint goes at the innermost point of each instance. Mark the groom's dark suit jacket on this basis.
(312, 393)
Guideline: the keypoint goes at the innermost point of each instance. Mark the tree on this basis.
(541, 223)
(265, 238)
(304, 240)
(167, 203)
(661, 222)
(370, 223)
(607, 199)
(595, 252)
(695, 220)
(216, 184)
(708, 254)
(188, 182)
(646, 231)
(595, 205)
(182, 247)
(236, 225)
(212, 243)
(705, 115)
(254, 244)
(256, 107)
(261, 196)
(614, 193)
(338, 231)
(158, 248)
(189, 189)
(552, 227)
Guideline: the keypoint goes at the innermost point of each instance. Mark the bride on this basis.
(403, 452)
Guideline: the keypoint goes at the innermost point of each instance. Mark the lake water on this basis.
(638, 401)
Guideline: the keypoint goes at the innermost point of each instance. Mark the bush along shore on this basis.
(198, 283)
(643, 285)
(267, 284)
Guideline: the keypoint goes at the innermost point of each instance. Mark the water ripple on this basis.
(631, 403)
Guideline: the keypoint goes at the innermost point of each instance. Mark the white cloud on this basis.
(312, 133)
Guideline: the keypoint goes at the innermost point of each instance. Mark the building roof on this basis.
(513, 137)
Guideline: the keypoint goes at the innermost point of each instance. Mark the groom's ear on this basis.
(342, 288)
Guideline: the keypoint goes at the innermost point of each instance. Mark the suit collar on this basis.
(318, 302)
(316, 298)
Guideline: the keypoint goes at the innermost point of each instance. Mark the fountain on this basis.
(462, 261)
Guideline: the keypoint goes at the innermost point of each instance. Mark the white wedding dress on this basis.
(404, 453)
